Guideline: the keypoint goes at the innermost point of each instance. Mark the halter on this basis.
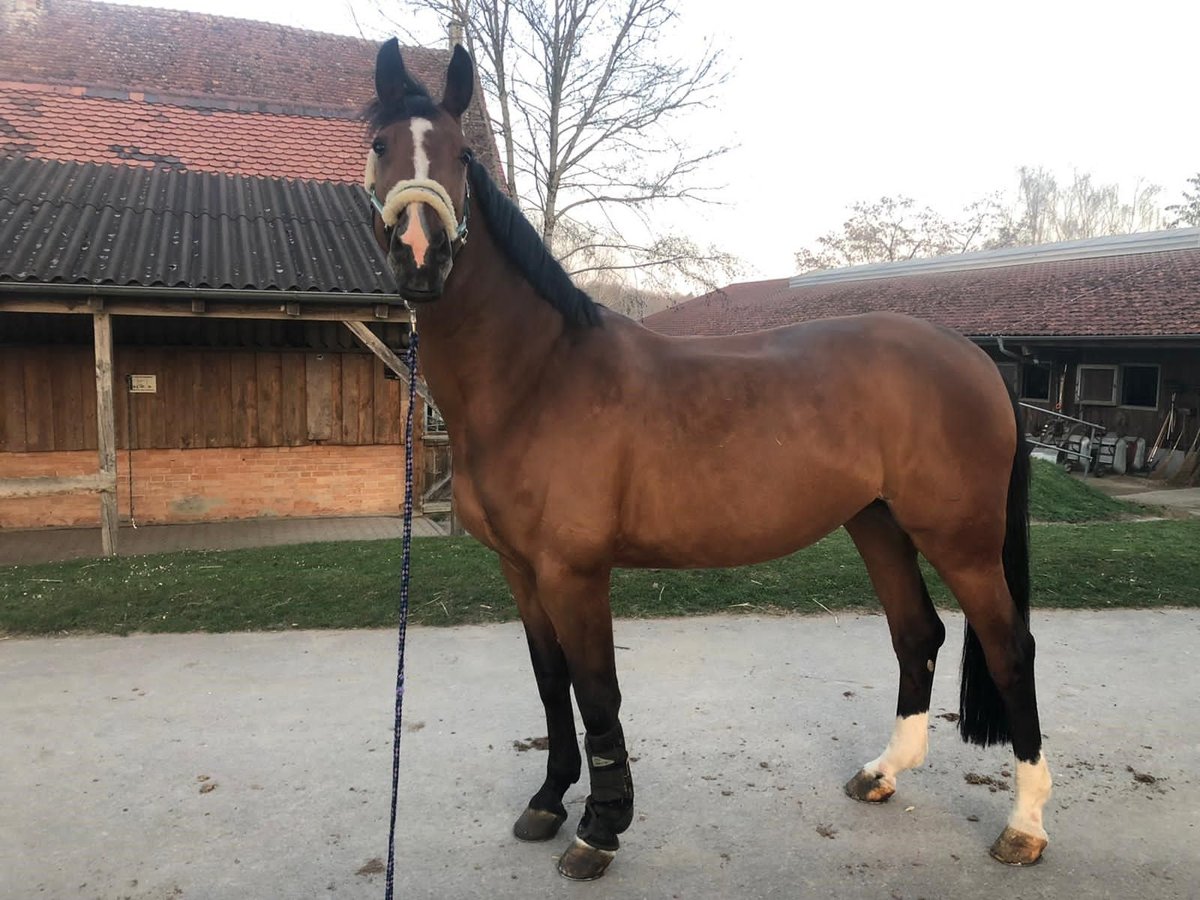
(420, 190)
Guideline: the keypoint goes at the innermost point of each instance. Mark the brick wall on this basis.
(209, 485)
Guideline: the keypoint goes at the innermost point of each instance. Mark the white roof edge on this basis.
(1089, 248)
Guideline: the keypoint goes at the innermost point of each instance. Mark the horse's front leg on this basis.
(545, 813)
(578, 606)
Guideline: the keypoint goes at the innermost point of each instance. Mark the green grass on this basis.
(1054, 496)
(1108, 562)
(456, 580)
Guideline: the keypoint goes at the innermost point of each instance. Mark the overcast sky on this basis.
(839, 101)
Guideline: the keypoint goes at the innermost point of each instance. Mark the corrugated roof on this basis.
(73, 223)
(1133, 294)
(1087, 248)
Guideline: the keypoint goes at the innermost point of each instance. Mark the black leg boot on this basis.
(609, 809)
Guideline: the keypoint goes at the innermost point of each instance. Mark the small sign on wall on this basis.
(143, 384)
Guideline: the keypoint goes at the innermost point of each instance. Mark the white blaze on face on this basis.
(419, 129)
(415, 235)
(906, 749)
(1033, 790)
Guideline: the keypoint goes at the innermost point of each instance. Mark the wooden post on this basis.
(107, 430)
(384, 352)
(456, 529)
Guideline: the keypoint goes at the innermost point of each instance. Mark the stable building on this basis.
(195, 321)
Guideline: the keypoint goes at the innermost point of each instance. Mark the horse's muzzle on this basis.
(419, 281)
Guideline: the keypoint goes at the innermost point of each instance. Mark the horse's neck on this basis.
(488, 338)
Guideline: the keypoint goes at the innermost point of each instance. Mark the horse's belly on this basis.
(695, 526)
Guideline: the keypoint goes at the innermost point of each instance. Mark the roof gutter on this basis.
(1079, 338)
(1006, 351)
(138, 291)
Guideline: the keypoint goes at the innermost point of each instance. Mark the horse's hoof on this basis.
(1016, 848)
(869, 788)
(537, 825)
(583, 862)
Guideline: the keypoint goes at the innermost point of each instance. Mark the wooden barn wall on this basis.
(1179, 374)
(205, 398)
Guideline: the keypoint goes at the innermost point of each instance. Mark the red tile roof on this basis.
(48, 123)
(45, 122)
(98, 82)
(1132, 294)
(166, 51)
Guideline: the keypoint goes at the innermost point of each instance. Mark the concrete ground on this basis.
(258, 765)
(53, 544)
(1148, 492)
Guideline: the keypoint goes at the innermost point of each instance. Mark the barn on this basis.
(195, 323)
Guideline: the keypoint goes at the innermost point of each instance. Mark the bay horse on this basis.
(582, 441)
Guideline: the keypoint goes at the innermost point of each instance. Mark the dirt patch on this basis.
(539, 743)
(993, 784)
(372, 867)
(826, 831)
(949, 717)
(1142, 777)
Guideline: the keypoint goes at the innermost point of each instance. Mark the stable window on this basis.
(434, 423)
(1096, 385)
(1139, 386)
(1035, 382)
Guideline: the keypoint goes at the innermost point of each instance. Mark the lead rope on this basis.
(410, 359)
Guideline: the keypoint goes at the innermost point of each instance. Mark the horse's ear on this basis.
(460, 82)
(392, 80)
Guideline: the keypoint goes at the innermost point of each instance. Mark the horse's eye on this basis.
(379, 146)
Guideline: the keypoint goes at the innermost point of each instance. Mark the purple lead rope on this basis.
(410, 360)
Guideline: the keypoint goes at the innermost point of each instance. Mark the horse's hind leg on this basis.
(545, 813)
(1008, 649)
(917, 633)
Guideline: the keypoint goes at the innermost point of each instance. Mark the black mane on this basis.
(524, 248)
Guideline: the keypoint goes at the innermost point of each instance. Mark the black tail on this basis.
(983, 718)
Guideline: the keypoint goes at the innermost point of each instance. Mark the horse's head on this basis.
(416, 171)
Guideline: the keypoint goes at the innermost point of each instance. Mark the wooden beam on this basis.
(107, 430)
(213, 309)
(45, 486)
(390, 359)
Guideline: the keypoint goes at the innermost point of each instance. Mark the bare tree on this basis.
(885, 230)
(1187, 212)
(585, 104)
(1047, 211)
(637, 302)
(891, 229)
